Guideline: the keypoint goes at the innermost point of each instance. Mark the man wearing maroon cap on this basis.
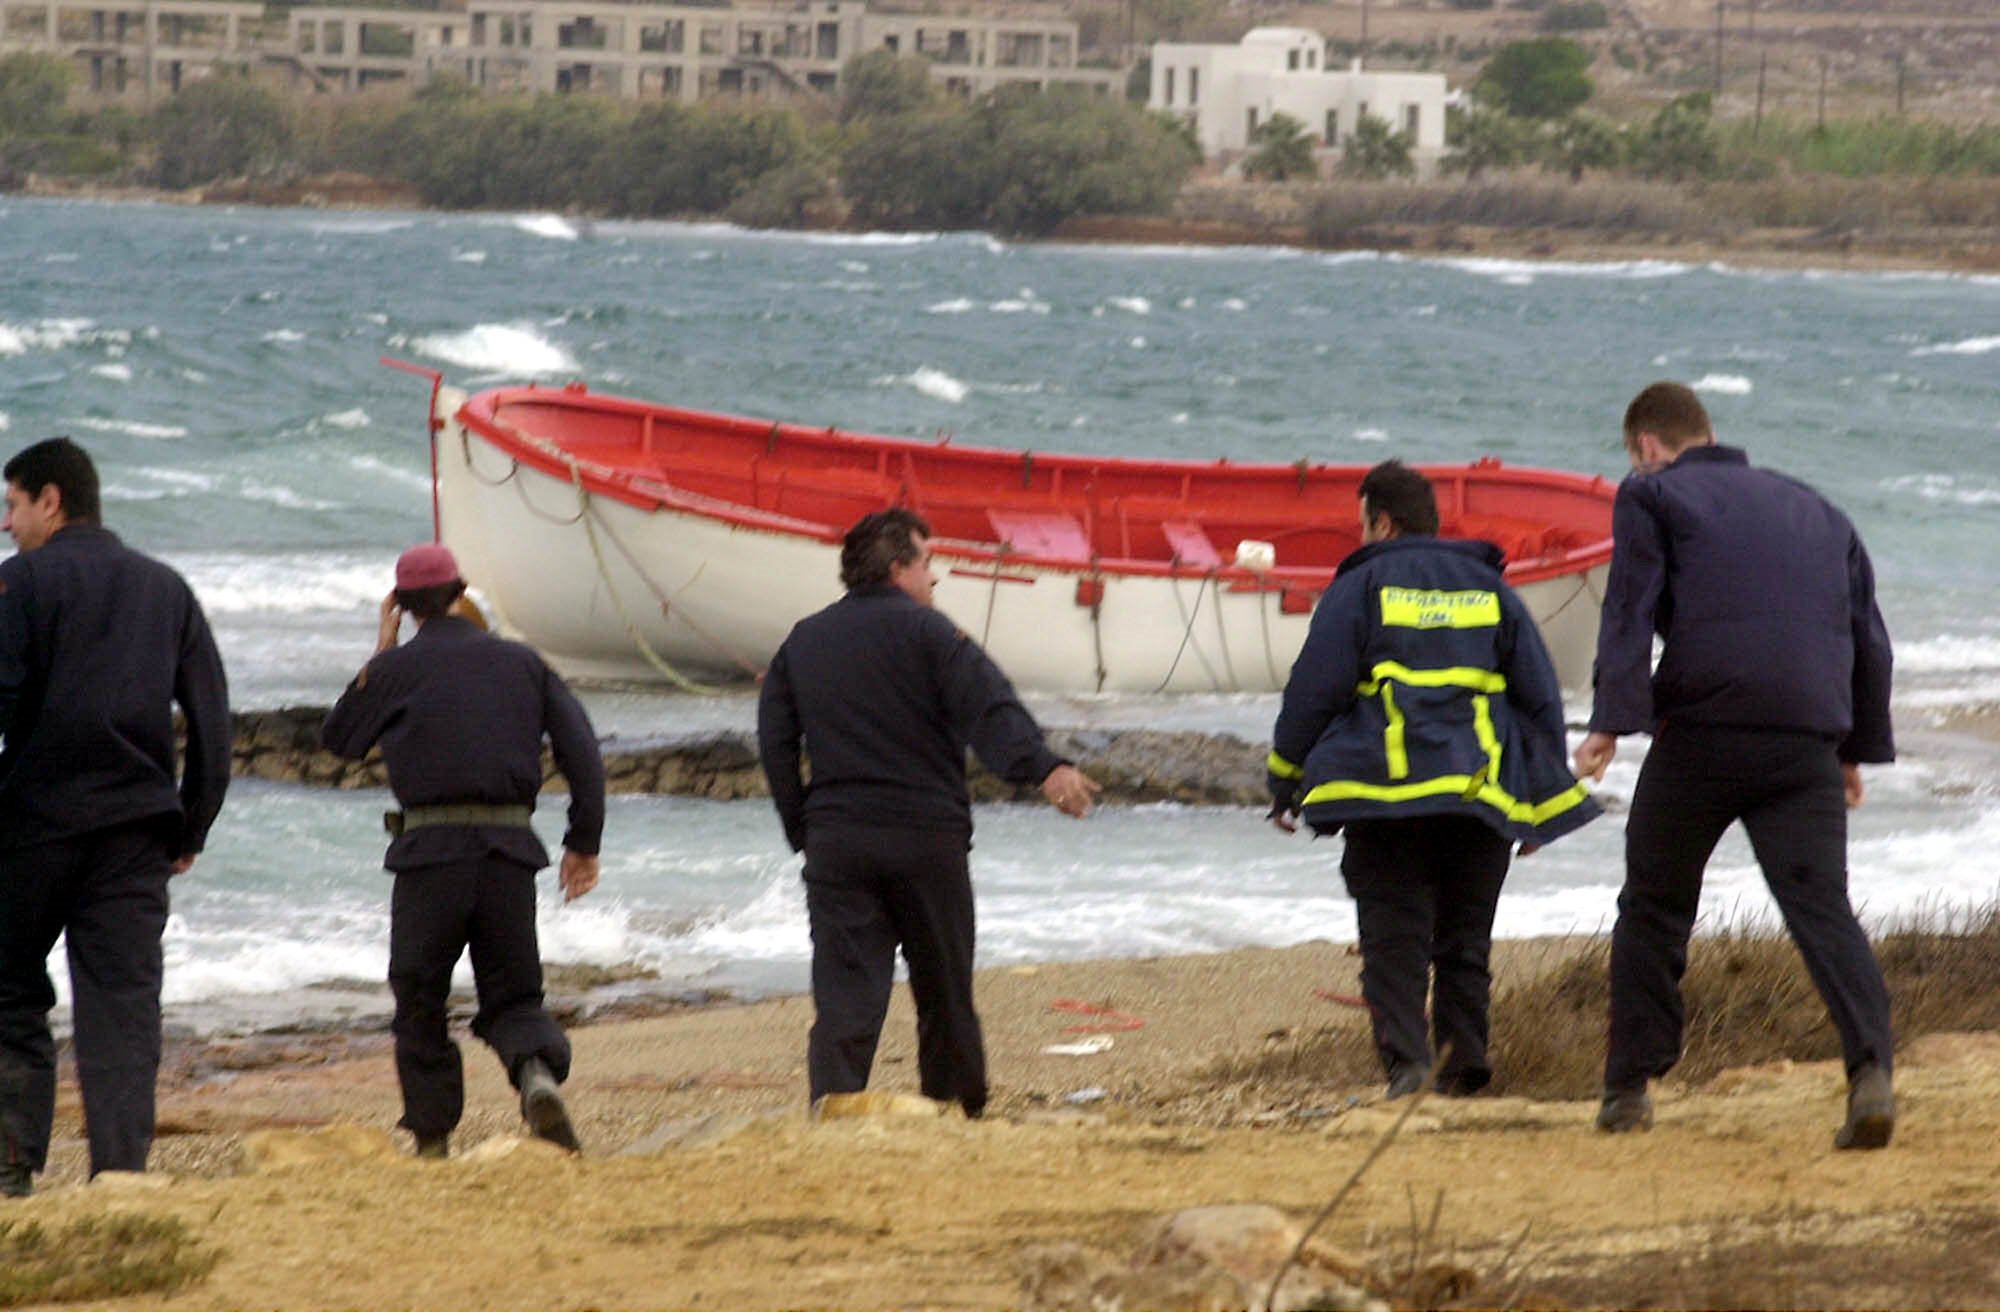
(461, 716)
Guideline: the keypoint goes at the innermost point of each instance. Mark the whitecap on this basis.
(497, 348)
(1972, 346)
(356, 418)
(1138, 344)
(1726, 385)
(1016, 306)
(279, 495)
(1423, 311)
(854, 266)
(932, 383)
(469, 257)
(1942, 488)
(1370, 435)
(409, 478)
(358, 227)
(1235, 303)
(958, 305)
(45, 335)
(1137, 305)
(553, 226)
(6, 422)
(291, 583)
(61, 257)
(1185, 303)
(131, 428)
(1949, 654)
(1178, 417)
(284, 335)
(1509, 270)
(120, 373)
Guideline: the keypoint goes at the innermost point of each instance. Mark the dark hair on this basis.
(1671, 412)
(63, 463)
(1400, 492)
(430, 602)
(879, 542)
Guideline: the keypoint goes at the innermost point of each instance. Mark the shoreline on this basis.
(705, 1185)
(1969, 252)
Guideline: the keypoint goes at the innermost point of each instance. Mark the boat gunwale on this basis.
(479, 414)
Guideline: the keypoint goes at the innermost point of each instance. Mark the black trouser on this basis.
(1787, 789)
(435, 913)
(1425, 891)
(866, 893)
(107, 891)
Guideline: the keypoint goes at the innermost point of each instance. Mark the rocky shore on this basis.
(1134, 766)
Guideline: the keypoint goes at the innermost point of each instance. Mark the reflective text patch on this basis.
(1425, 608)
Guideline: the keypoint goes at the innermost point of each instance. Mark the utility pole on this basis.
(1820, 115)
(1719, 48)
(1363, 50)
(1900, 84)
(1758, 113)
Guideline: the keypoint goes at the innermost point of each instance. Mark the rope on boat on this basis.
(1188, 624)
(993, 593)
(1264, 623)
(653, 658)
(668, 606)
(1223, 634)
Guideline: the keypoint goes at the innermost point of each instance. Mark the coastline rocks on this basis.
(1134, 766)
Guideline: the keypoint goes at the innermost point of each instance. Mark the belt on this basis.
(457, 813)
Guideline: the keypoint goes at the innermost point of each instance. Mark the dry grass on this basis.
(1748, 1000)
(1522, 200)
(98, 1258)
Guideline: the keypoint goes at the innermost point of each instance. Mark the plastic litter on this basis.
(1082, 1048)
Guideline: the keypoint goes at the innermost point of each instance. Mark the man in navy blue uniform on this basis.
(461, 716)
(886, 693)
(1424, 720)
(1773, 685)
(97, 644)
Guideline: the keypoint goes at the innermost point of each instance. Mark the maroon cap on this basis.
(426, 566)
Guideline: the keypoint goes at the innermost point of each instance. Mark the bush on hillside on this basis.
(1540, 79)
(33, 91)
(223, 127)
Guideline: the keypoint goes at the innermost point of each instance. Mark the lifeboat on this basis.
(630, 541)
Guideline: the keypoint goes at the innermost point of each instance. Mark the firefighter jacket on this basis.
(1424, 689)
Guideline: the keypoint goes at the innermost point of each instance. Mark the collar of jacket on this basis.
(871, 592)
(80, 532)
(1710, 453)
(1479, 549)
(445, 627)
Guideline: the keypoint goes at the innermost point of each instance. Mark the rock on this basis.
(872, 1104)
(276, 1150)
(1066, 1276)
(1247, 1240)
(511, 1146)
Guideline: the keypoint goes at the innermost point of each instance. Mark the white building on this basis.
(1228, 91)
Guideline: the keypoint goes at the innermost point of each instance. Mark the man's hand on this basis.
(579, 874)
(185, 862)
(1284, 818)
(388, 621)
(1594, 755)
(1851, 784)
(1070, 791)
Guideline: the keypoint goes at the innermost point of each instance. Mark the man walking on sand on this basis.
(1423, 717)
(461, 716)
(1773, 685)
(886, 693)
(98, 643)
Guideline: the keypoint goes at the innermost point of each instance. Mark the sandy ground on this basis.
(704, 1184)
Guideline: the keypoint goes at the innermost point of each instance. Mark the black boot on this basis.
(542, 1106)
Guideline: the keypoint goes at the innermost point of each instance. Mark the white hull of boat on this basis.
(611, 592)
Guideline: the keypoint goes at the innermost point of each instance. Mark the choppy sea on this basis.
(222, 366)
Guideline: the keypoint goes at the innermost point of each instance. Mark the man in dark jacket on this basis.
(97, 643)
(885, 694)
(461, 716)
(1423, 718)
(1773, 684)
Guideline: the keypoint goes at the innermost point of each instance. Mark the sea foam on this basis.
(1726, 385)
(932, 383)
(1972, 346)
(552, 226)
(497, 348)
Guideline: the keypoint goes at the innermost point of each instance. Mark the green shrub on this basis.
(1572, 16)
(33, 91)
(1376, 152)
(223, 127)
(1482, 138)
(1281, 150)
(1541, 79)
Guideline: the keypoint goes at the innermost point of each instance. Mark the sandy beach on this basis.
(705, 1185)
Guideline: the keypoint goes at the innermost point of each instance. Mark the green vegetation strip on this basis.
(98, 1258)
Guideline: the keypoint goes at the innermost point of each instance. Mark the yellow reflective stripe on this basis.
(1430, 608)
(1393, 749)
(1282, 768)
(1483, 731)
(1480, 681)
(1471, 787)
